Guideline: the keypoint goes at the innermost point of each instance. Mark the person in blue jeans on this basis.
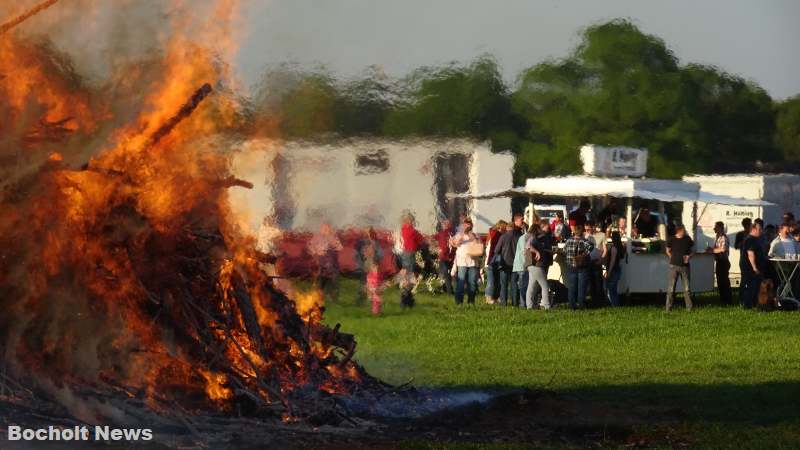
(520, 269)
(612, 260)
(466, 265)
(576, 255)
(492, 290)
(466, 277)
(504, 254)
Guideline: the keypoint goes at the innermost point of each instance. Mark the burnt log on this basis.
(26, 15)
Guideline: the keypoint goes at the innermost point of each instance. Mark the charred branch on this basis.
(185, 111)
(26, 15)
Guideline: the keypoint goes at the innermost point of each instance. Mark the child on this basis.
(374, 280)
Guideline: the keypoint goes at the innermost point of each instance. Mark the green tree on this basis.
(623, 87)
(300, 103)
(363, 104)
(787, 128)
(454, 101)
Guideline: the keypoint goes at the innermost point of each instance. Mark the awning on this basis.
(589, 186)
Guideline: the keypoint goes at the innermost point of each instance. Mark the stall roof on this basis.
(586, 186)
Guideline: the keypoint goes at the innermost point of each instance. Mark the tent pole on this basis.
(662, 228)
(629, 218)
(532, 215)
(694, 221)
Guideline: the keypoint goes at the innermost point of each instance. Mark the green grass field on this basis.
(731, 376)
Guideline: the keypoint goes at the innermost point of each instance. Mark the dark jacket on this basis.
(507, 246)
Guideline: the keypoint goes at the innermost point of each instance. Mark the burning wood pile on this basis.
(124, 279)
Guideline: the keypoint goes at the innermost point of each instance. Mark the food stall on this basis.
(645, 267)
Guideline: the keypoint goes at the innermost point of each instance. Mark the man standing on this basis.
(753, 265)
(520, 275)
(446, 254)
(722, 264)
(783, 245)
(577, 260)
(742, 235)
(506, 249)
(679, 251)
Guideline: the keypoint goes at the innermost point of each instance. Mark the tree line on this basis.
(619, 86)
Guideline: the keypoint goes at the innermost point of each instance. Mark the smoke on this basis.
(78, 71)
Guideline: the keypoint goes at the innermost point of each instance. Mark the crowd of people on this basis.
(517, 258)
(514, 259)
(758, 244)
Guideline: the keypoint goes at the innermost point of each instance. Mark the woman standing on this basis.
(466, 266)
(492, 291)
(541, 247)
(613, 257)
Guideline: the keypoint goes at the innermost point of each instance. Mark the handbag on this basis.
(528, 257)
(475, 249)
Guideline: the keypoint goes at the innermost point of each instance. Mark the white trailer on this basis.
(782, 191)
(361, 182)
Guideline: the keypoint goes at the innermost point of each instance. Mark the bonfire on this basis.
(125, 280)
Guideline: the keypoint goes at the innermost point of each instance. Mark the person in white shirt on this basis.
(466, 266)
(783, 246)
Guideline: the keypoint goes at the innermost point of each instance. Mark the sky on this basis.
(757, 40)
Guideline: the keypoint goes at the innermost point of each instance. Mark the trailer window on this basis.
(372, 162)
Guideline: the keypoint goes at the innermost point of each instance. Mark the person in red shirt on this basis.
(412, 240)
(446, 254)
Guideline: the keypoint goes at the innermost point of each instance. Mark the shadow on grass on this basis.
(755, 404)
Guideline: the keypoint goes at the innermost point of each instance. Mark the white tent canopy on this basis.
(589, 186)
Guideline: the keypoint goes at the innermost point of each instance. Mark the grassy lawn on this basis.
(733, 376)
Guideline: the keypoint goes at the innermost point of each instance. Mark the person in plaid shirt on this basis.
(576, 254)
